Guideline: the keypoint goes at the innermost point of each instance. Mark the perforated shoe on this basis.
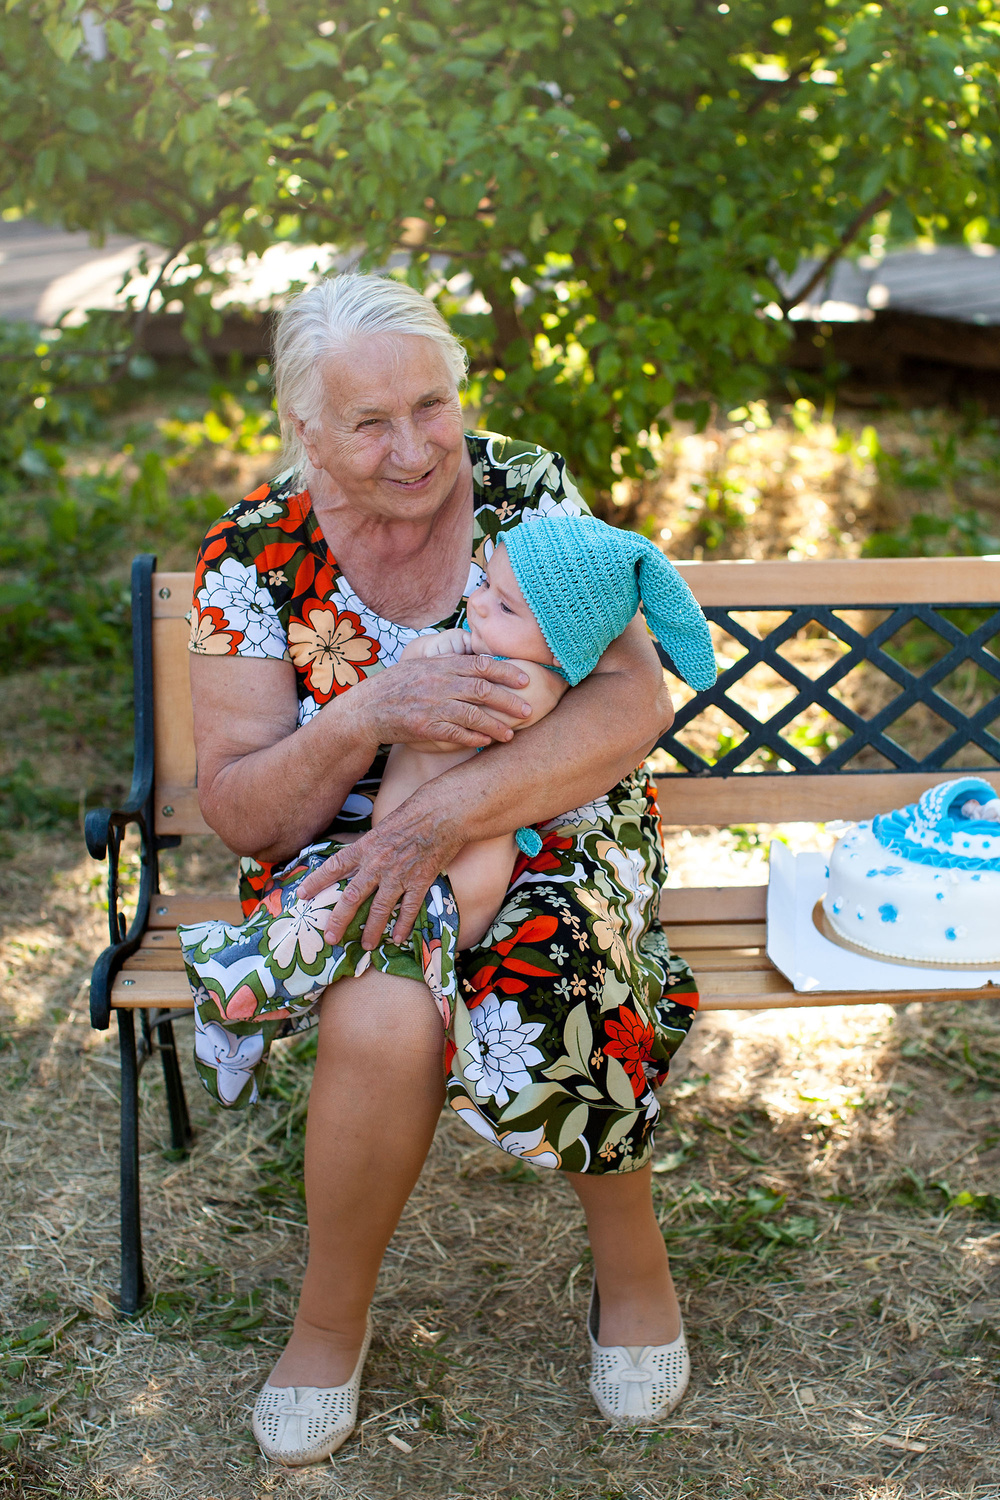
(303, 1424)
(639, 1383)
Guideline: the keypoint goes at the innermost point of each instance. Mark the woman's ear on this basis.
(306, 441)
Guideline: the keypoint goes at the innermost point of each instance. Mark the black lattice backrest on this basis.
(845, 688)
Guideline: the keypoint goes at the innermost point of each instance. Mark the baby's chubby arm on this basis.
(543, 692)
(442, 643)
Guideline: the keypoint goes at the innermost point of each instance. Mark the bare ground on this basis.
(844, 1322)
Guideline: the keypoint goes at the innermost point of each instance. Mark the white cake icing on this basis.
(923, 882)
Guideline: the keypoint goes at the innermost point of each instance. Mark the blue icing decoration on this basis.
(836, 907)
(950, 934)
(870, 873)
(939, 896)
(923, 832)
(888, 913)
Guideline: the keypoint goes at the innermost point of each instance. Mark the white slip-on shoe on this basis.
(302, 1424)
(635, 1384)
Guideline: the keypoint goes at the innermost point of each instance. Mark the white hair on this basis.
(318, 324)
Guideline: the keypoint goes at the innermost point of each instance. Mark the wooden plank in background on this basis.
(843, 582)
(686, 801)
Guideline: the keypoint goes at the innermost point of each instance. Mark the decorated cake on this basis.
(923, 883)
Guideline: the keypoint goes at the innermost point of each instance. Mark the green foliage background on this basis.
(621, 182)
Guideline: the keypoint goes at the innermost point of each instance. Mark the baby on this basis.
(555, 595)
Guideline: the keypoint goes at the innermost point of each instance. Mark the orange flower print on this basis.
(329, 647)
(632, 1043)
(209, 635)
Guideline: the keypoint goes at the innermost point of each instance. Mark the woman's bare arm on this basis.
(268, 788)
(599, 732)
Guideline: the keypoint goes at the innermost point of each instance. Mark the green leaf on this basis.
(83, 119)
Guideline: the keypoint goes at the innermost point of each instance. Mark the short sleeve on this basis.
(233, 611)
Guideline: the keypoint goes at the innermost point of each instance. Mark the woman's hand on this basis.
(457, 699)
(395, 863)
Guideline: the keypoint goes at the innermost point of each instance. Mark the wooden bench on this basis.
(720, 930)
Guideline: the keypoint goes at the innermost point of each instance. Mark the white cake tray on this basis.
(812, 962)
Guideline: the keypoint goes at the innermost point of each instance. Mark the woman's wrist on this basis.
(351, 720)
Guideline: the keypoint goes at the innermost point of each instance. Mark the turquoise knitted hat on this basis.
(583, 581)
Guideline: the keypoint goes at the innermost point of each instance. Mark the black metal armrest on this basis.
(105, 828)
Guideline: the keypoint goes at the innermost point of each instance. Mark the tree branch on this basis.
(847, 238)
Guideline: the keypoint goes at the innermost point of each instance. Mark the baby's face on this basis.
(500, 623)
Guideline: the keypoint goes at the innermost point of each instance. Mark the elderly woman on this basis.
(547, 1037)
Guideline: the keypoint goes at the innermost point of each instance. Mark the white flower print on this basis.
(391, 637)
(299, 930)
(265, 512)
(530, 1145)
(501, 1051)
(246, 606)
(308, 709)
(631, 869)
(233, 1058)
(558, 953)
(591, 813)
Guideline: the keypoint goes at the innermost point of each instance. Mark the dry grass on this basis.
(849, 1351)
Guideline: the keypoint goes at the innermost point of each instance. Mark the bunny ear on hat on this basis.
(674, 616)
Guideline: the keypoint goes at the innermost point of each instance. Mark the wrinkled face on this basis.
(391, 434)
(500, 623)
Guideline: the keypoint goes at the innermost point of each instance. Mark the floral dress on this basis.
(561, 1022)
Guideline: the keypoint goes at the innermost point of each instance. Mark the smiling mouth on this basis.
(408, 484)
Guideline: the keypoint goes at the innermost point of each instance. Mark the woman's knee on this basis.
(381, 1018)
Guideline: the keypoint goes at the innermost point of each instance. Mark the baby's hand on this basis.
(443, 643)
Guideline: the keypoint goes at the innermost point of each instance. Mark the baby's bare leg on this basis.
(480, 874)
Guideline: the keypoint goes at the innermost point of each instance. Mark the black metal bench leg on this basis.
(133, 1282)
(181, 1133)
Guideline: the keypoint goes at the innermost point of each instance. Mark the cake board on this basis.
(812, 962)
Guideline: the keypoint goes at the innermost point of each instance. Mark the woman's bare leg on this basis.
(638, 1301)
(376, 1097)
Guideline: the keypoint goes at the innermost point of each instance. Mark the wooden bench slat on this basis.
(686, 801)
(169, 911)
(717, 935)
(843, 581)
(736, 960)
(714, 903)
(155, 961)
(744, 583)
(133, 991)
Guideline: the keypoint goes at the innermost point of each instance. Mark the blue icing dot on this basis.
(836, 907)
(888, 913)
(950, 934)
(870, 873)
(977, 877)
(939, 896)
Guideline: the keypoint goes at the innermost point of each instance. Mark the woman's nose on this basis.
(410, 446)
